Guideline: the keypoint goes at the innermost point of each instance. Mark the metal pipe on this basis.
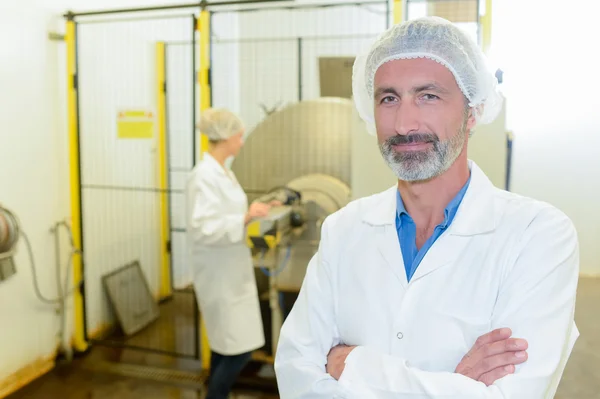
(509, 151)
(194, 82)
(387, 15)
(167, 165)
(197, 329)
(63, 287)
(305, 6)
(78, 232)
(202, 5)
(399, 8)
(163, 173)
(293, 38)
(479, 32)
(126, 188)
(155, 17)
(210, 54)
(299, 69)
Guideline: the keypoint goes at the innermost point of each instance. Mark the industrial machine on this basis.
(299, 155)
(270, 237)
(275, 229)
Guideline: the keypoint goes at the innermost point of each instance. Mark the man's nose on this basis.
(407, 118)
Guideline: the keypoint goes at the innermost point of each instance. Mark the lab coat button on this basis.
(400, 335)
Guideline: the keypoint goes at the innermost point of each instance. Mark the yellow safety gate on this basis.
(126, 184)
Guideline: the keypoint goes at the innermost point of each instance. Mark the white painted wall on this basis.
(552, 85)
(33, 176)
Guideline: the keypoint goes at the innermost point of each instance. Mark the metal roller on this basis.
(9, 230)
(309, 137)
(322, 195)
(306, 148)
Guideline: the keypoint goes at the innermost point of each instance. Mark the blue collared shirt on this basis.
(407, 231)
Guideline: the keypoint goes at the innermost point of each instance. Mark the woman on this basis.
(224, 282)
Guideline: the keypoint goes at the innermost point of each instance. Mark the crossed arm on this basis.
(493, 356)
(537, 302)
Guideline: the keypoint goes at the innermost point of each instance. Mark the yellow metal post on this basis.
(163, 184)
(203, 78)
(398, 11)
(204, 82)
(79, 340)
(486, 27)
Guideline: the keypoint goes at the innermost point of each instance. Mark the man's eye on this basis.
(388, 99)
(429, 97)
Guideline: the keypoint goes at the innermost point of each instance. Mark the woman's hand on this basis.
(257, 210)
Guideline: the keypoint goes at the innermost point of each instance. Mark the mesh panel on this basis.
(272, 59)
(117, 69)
(464, 13)
(181, 130)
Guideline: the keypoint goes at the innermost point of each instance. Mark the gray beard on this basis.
(424, 165)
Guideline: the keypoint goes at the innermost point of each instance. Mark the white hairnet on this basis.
(219, 124)
(441, 41)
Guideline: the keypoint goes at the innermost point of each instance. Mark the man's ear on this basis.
(471, 119)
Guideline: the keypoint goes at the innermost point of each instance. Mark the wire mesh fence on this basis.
(464, 13)
(121, 189)
(273, 58)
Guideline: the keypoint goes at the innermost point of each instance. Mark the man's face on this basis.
(421, 118)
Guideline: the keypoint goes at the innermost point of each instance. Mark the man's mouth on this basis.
(420, 145)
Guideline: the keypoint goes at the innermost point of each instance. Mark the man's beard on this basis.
(425, 164)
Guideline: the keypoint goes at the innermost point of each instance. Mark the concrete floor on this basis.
(581, 379)
(84, 384)
(82, 380)
(175, 330)
(105, 373)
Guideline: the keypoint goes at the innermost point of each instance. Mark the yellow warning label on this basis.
(135, 124)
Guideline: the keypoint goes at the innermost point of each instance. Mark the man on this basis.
(443, 286)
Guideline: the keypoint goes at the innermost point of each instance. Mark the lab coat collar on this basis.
(475, 214)
(210, 161)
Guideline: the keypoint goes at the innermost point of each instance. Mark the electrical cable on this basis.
(36, 286)
(280, 268)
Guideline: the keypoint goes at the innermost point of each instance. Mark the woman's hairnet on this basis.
(441, 41)
(219, 124)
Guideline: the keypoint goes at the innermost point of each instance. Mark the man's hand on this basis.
(336, 360)
(493, 356)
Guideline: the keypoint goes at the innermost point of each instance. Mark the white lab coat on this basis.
(506, 261)
(221, 262)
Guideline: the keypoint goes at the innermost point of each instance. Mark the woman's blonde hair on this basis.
(219, 124)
